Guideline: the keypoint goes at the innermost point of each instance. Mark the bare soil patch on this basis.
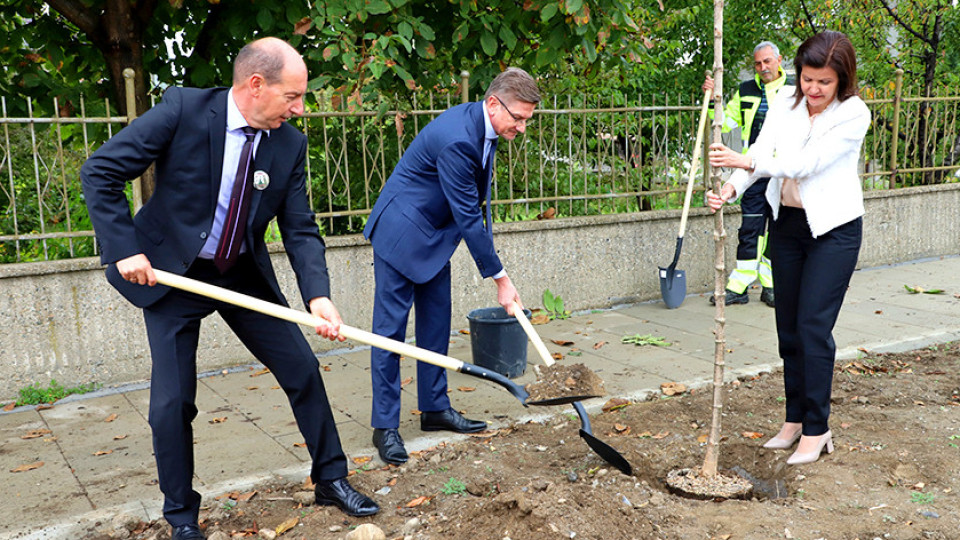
(895, 472)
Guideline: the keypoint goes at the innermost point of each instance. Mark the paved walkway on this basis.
(97, 455)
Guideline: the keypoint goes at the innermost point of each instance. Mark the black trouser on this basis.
(173, 328)
(755, 211)
(812, 275)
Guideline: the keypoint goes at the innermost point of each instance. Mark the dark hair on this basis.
(514, 84)
(829, 49)
(264, 56)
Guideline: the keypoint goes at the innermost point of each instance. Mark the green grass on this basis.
(454, 487)
(36, 394)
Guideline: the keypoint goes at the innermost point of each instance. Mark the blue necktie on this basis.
(235, 225)
(489, 180)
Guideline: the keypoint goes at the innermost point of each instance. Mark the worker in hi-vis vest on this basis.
(747, 110)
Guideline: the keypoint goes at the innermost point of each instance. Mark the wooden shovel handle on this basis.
(304, 318)
(695, 162)
(532, 334)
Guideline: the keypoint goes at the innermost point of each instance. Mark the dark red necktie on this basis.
(234, 226)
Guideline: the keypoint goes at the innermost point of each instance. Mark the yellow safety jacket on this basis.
(741, 110)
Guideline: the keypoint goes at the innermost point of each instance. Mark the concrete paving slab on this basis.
(50, 489)
(98, 439)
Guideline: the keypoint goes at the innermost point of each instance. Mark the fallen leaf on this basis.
(562, 342)
(845, 425)
(599, 344)
(247, 496)
(36, 433)
(263, 371)
(406, 381)
(111, 418)
(540, 319)
(119, 437)
(326, 368)
(27, 467)
(44, 407)
(466, 388)
(878, 312)
(549, 213)
(703, 438)
(751, 435)
(672, 388)
(287, 525)
(392, 482)
(10, 406)
(362, 459)
(416, 412)
(219, 420)
(252, 387)
(300, 445)
(622, 429)
(418, 501)
(614, 404)
(464, 331)
(661, 435)
(557, 356)
(102, 452)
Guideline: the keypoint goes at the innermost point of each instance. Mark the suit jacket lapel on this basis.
(218, 132)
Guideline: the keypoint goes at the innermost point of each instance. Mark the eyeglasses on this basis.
(517, 119)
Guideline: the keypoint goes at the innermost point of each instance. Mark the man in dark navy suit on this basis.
(430, 202)
(227, 163)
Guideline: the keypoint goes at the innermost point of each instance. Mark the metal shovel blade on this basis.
(604, 450)
(673, 286)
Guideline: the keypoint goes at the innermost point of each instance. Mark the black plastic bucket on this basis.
(498, 341)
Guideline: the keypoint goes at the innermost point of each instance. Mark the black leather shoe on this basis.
(449, 420)
(766, 296)
(341, 494)
(187, 532)
(733, 298)
(390, 446)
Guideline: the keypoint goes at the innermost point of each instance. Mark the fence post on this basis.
(464, 86)
(897, 95)
(130, 90)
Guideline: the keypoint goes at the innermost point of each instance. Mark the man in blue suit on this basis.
(214, 148)
(430, 202)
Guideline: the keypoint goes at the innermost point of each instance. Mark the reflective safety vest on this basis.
(741, 110)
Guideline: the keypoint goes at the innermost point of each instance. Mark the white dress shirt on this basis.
(232, 147)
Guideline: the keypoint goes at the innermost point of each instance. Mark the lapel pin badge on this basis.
(261, 180)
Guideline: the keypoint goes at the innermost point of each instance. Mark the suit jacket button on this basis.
(203, 235)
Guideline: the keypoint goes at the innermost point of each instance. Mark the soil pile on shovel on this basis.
(557, 382)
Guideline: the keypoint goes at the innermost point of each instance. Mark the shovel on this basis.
(673, 282)
(604, 450)
(374, 340)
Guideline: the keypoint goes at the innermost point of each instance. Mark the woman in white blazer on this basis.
(809, 146)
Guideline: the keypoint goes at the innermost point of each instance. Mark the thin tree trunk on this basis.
(712, 454)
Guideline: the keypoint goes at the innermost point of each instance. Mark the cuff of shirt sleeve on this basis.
(499, 274)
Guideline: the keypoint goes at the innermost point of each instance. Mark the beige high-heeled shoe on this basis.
(783, 444)
(826, 443)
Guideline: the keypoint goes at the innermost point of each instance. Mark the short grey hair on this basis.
(514, 84)
(263, 56)
(764, 44)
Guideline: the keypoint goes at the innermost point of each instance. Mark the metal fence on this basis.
(582, 155)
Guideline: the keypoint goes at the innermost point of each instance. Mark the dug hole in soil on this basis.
(894, 473)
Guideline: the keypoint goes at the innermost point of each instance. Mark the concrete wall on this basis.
(62, 320)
